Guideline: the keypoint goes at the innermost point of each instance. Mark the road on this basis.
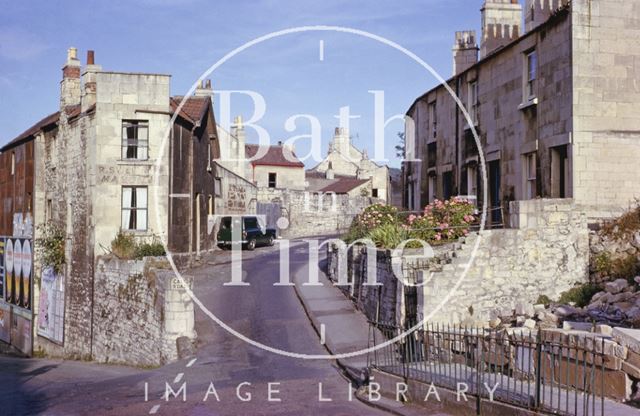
(225, 367)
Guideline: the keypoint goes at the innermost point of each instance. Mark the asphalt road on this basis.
(225, 367)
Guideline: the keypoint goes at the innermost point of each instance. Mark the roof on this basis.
(315, 174)
(49, 120)
(274, 157)
(193, 109)
(344, 185)
(555, 17)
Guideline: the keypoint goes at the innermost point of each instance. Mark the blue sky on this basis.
(184, 38)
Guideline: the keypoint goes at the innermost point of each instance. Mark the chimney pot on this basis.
(72, 53)
(90, 57)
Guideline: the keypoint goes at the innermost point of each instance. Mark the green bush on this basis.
(544, 300)
(625, 268)
(388, 235)
(580, 295)
(50, 246)
(153, 249)
(602, 263)
(124, 246)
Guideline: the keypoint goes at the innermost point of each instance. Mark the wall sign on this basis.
(51, 307)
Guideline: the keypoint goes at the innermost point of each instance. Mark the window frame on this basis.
(275, 180)
(530, 175)
(134, 209)
(531, 74)
(134, 143)
(433, 119)
(473, 100)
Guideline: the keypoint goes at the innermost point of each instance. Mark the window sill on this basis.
(529, 103)
(137, 233)
(143, 162)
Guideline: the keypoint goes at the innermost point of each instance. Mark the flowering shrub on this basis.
(442, 220)
(377, 215)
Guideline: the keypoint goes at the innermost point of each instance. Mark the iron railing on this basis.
(537, 371)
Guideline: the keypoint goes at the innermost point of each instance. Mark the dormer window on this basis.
(135, 139)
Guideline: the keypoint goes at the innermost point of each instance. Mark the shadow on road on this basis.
(15, 398)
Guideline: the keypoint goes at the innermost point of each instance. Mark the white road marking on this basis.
(154, 409)
(178, 378)
(322, 334)
(322, 50)
(192, 362)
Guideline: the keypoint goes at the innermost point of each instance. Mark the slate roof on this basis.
(274, 157)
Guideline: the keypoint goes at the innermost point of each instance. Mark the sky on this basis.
(185, 38)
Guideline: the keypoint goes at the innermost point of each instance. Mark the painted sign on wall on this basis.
(5, 322)
(51, 308)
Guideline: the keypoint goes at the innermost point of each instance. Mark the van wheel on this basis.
(251, 245)
(271, 241)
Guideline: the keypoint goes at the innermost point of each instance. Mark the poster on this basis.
(51, 307)
(5, 322)
(2, 277)
(18, 270)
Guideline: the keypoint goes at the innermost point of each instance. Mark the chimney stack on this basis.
(237, 130)
(465, 51)
(89, 89)
(501, 22)
(70, 84)
(204, 89)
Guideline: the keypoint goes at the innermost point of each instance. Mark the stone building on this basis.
(345, 160)
(108, 161)
(554, 108)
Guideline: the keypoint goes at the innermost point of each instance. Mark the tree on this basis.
(401, 147)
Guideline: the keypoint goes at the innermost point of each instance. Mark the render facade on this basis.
(552, 108)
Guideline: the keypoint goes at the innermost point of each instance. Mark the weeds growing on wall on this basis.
(125, 246)
(624, 226)
(50, 246)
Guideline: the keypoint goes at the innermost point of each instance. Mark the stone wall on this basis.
(546, 255)
(311, 214)
(140, 312)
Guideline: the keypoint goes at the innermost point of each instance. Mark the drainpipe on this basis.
(458, 155)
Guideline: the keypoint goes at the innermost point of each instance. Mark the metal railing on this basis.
(537, 371)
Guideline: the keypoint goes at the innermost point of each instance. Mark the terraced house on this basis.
(553, 102)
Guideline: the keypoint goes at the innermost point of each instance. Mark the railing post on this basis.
(538, 369)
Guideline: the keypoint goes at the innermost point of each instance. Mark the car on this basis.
(253, 232)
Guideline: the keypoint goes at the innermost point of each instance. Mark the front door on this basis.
(494, 191)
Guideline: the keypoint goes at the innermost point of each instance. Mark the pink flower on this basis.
(438, 237)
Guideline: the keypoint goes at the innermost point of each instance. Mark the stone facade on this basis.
(311, 214)
(552, 108)
(141, 312)
(345, 160)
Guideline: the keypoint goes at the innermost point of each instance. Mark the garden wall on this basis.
(546, 254)
(140, 311)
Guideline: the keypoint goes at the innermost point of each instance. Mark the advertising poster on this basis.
(5, 322)
(8, 264)
(2, 276)
(18, 265)
(51, 307)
